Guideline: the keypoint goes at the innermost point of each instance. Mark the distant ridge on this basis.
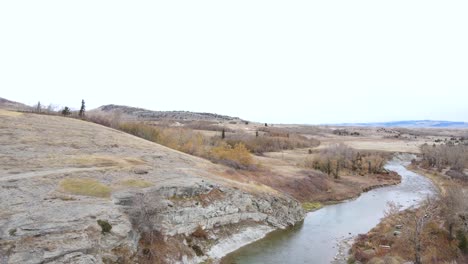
(413, 124)
(12, 105)
(146, 114)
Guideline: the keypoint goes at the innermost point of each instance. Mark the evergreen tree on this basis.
(38, 107)
(66, 111)
(82, 109)
(223, 134)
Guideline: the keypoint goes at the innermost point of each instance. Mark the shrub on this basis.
(447, 155)
(271, 142)
(311, 206)
(462, 241)
(147, 132)
(99, 119)
(66, 111)
(12, 232)
(200, 233)
(338, 157)
(105, 226)
(237, 156)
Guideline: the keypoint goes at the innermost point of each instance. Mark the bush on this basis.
(447, 155)
(338, 157)
(311, 206)
(105, 226)
(462, 241)
(237, 157)
(12, 232)
(147, 132)
(271, 142)
(200, 233)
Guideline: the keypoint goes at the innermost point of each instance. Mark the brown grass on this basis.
(154, 248)
(104, 161)
(136, 183)
(9, 113)
(200, 233)
(85, 186)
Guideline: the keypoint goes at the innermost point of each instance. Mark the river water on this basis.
(316, 240)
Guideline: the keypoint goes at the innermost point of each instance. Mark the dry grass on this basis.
(311, 206)
(104, 161)
(136, 183)
(9, 113)
(85, 186)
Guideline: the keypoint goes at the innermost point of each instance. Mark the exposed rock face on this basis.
(67, 231)
(175, 210)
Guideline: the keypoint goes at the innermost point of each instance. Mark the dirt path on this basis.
(34, 174)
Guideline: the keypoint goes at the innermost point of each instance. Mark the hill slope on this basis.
(76, 192)
(149, 115)
(12, 105)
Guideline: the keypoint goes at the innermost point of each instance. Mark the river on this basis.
(316, 240)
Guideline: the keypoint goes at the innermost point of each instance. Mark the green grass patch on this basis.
(311, 206)
(12, 232)
(87, 187)
(105, 226)
(136, 183)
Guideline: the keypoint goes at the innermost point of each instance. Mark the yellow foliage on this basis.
(311, 206)
(238, 154)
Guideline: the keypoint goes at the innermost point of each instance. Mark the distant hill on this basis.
(12, 105)
(413, 124)
(151, 115)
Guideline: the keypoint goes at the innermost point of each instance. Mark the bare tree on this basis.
(416, 224)
(454, 207)
(38, 107)
(392, 209)
(51, 108)
(116, 118)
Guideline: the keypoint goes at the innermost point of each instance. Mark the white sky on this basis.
(268, 61)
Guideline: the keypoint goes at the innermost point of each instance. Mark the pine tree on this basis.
(223, 134)
(66, 111)
(82, 109)
(38, 107)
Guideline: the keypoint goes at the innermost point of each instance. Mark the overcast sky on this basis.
(268, 61)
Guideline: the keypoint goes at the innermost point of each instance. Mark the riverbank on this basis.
(314, 206)
(393, 239)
